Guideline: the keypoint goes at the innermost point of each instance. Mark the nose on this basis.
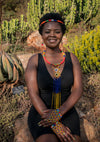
(52, 33)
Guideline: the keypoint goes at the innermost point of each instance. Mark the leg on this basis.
(47, 138)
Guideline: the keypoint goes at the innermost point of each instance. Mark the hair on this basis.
(55, 16)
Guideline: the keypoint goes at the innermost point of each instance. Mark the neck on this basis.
(50, 51)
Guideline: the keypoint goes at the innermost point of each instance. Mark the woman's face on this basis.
(52, 34)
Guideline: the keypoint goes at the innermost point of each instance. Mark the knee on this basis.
(47, 138)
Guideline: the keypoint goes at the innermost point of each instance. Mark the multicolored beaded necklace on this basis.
(56, 94)
(55, 67)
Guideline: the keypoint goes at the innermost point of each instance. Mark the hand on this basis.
(50, 117)
(63, 132)
(45, 117)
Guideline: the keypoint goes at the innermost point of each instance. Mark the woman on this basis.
(54, 84)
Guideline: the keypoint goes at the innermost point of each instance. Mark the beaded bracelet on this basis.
(54, 116)
(58, 128)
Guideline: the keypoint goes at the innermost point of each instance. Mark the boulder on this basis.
(21, 130)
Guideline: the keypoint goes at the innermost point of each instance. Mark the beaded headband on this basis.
(51, 20)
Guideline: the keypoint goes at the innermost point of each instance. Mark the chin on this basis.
(52, 46)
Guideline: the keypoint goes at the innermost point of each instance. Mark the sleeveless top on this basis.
(45, 81)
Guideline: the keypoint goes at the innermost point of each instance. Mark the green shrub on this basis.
(87, 49)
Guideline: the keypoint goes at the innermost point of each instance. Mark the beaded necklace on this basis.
(55, 67)
(56, 93)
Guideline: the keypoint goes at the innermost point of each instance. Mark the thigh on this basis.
(47, 138)
(72, 121)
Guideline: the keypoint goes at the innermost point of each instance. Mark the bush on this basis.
(87, 49)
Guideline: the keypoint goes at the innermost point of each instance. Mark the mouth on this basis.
(52, 40)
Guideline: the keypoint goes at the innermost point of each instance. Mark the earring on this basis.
(43, 46)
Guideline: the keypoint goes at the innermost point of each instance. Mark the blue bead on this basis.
(57, 110)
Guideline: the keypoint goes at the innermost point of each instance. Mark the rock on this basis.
(23, 136)
(24, 58)
(21, 130)
(35, 40)
(88, 133)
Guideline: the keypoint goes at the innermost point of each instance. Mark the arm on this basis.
(76, 89)
(31, 82)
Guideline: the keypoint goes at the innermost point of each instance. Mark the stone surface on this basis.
(21, 130)
(24, 58)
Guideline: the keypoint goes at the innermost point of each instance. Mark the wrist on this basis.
(59, 114)
(61, 110)
(55, 116)
(44, 112)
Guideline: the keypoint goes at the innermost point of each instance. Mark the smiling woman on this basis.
(54, 83)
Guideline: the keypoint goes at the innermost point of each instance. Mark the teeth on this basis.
(52, 40)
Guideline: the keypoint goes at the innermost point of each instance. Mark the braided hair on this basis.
(55, 16)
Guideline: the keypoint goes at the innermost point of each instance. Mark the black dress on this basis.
(45, 84)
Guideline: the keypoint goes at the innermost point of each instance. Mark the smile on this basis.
(52, 40)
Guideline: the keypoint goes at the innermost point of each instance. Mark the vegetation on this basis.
(87, 48)
(12, 9)
(11, 70)
(12, 107)
(73, 11)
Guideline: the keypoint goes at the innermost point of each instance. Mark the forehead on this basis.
(51, 25)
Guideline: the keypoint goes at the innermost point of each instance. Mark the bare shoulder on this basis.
(32, 62)
(74, 59)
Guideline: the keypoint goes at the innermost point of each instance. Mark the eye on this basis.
(47, 32)
(58, 32)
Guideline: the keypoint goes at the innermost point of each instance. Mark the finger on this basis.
(60, 137)
(70, 136)
(64, 137)
(68, 129)
(67, 135)
(44, 116)
(69, 139)
(47, 124)
(44, 123)
(45, 111)
(39, 124)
